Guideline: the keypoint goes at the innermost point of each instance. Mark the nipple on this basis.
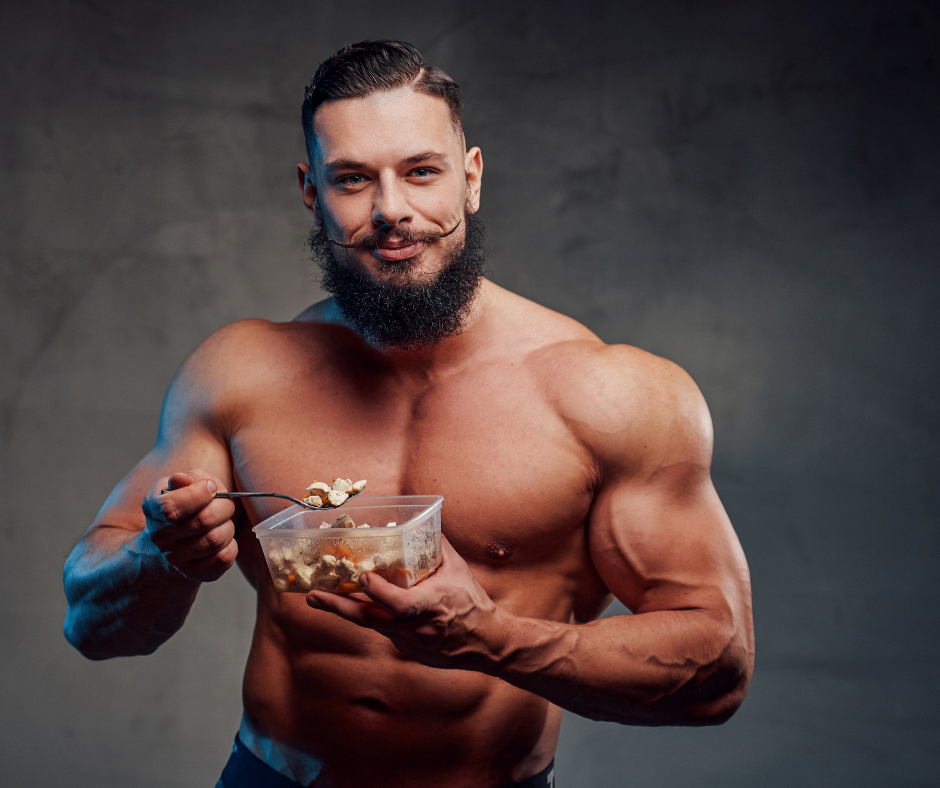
(498, 550)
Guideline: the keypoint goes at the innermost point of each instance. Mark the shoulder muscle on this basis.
(634, 410)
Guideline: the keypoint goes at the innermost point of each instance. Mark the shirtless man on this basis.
(572, 472)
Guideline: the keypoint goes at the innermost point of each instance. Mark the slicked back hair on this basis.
(361, 69)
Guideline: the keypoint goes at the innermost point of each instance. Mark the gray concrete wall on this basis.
(748, 188)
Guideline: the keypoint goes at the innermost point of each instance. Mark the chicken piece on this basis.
(359, 486)
(344, 521)
(326, 525)
(327, 581)
(391, 525)
(313, 500)
(284, 557)
(304, 575)
(336, 497)
(342, 485)
(274, 556)
(320, 489)
(366, 565)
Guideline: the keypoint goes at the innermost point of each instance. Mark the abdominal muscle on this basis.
(347, 697)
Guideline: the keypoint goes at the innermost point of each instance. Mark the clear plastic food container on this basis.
(401, 544)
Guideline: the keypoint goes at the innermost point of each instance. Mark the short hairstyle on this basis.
(361, 69)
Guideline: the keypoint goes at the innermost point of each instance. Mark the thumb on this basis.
(179, 480)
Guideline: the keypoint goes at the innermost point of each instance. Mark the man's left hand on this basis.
(445, 621)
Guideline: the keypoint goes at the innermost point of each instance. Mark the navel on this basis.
(373, 704)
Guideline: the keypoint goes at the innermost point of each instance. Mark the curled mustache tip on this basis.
(356, 244)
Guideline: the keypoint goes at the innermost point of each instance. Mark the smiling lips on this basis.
(398, 250)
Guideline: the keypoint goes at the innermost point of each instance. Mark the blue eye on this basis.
(422, 172)
(350, 180)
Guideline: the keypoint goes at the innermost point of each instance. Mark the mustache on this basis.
(405, 235)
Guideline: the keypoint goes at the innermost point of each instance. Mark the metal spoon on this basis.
(324, 508)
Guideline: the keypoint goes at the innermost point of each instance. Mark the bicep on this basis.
(658, 533)
(664, 542)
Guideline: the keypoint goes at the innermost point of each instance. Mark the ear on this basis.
(473, 164)
(308, 188)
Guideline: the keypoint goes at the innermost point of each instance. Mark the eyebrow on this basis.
(347, 164)
(343, 164)
(428, 155)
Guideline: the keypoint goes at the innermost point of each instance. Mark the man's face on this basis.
(390, 169)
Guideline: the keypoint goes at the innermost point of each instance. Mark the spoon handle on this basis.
(258, 495)
(324, 508)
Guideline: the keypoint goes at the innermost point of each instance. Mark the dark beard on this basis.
(401, 313)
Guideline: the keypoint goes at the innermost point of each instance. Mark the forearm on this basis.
(682, 667)
(124, 599)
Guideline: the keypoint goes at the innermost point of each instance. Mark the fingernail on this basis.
(211, 487)
(364, 579)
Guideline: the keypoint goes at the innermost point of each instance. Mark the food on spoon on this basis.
(322, 494)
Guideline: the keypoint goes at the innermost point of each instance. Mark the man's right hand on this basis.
(190, 526)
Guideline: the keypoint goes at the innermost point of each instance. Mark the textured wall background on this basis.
(749, 188)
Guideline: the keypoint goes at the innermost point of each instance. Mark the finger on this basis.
(196, 535)
(417, 600)
(218, 511)
(198, 473)
(178, 504)
(357, 611)
(209, 543)
(211, 567)
(180, 480)
(403, 603)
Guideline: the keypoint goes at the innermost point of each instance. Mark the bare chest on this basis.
(517, 485)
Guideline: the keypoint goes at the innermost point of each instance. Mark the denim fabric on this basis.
(245, 770)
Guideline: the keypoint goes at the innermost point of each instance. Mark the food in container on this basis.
(398, 538)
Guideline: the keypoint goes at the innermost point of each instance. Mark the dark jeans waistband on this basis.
(245, 770)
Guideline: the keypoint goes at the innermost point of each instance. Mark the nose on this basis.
(390, 206)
